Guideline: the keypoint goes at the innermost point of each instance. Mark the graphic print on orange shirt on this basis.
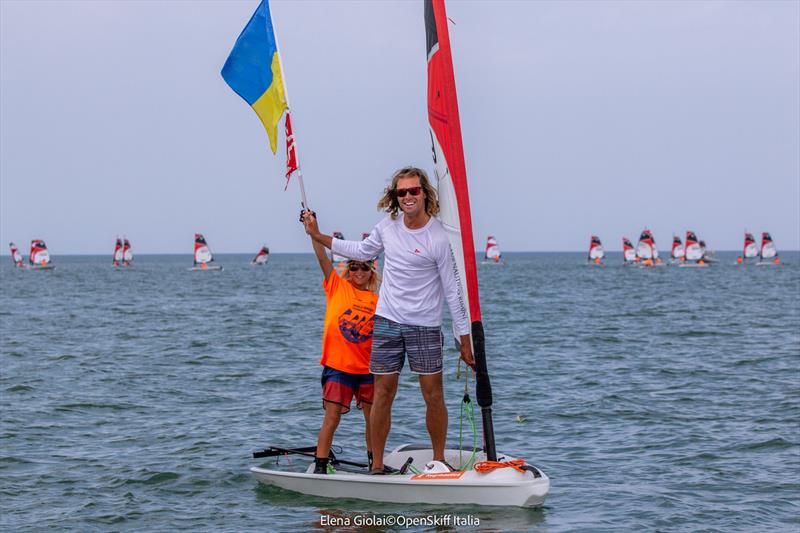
(356, 323)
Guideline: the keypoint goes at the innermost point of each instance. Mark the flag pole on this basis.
(303, 200)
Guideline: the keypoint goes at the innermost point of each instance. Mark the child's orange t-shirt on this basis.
(349, 318)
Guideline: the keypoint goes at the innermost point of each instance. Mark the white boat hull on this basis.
(693, 265)
(500, 487)
(766, 264)
(40, 267)
(215, 268)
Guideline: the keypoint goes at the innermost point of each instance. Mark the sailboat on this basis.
(487, 477)
(262, 257)
(492, 254)
(750, 249)
(117, 258)
(375, 262)
(39, 258)
(694, 253)
(678, 253)
(203, 255)
(646, 250)
(16, 257)
(127, 253)
(628, 253)
(769, 254)
(596, 252)
(336, 258)
(708, 255)
(339, 261)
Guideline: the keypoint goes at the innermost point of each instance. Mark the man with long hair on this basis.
(418, 277)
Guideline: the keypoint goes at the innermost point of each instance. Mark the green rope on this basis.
(471, 417)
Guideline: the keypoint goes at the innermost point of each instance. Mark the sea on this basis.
(661, 399)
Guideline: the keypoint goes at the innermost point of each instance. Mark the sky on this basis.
(578, 118)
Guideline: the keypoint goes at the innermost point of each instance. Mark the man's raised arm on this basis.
(364, 250)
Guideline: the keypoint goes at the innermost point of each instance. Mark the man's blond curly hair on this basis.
(391, 205)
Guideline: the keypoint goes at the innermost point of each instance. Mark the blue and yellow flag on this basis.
(253, 70)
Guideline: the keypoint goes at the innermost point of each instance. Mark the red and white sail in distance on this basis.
(596, 251)
(750, 246)
(693, 250)
(16, 257)
(492, 252)
(454, 208)
(364, 236)
(646, 248)
(39, 255)
(117, 252)
(678, 252)
(202, 253)
(628, 252)
(768, 250)
(261, 257)
(127, 253)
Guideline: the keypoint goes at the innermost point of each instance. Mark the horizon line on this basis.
(312, 253)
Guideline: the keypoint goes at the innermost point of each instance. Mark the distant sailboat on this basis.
(203, 255)
(750, 249)
(375, 263)
(39, 258)
(596, 252)
(16, 257)
(127, 253)
(492, 253)
(262, 257)
(694, 253)
(769, 254)
(339, 261)
(646, 250)
(628, 252)
(335, 258)
(708, 255)
(678, 253)
(117, 260)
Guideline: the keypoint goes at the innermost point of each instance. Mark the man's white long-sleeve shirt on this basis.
(418, 273)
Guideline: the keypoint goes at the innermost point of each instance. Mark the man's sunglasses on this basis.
(355, 267)
(413, 191)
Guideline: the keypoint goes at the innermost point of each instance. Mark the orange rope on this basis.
(484, 467)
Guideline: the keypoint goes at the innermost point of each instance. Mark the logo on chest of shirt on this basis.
(356, 327)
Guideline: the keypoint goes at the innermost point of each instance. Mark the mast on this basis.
(450, 169)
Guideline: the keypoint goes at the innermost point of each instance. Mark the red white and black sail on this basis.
(16, 257)
(127, 252)
(117, 259)
(492, 252)
(678, 252)
(645, 248)
(768, 250)
(694, 252)
(750, 246)
(202, 253)
(595, 248)
(450, 169)
(628, 251)
(39, 255)
(261, 257)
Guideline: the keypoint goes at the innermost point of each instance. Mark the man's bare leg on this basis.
(381, 416)
(436, 415)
